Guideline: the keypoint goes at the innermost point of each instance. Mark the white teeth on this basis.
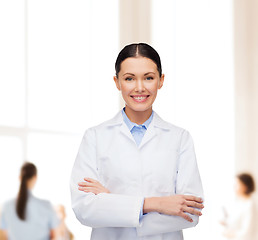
(139, 98)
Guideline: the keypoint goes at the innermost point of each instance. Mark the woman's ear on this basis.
(117, 83)
(161, 81)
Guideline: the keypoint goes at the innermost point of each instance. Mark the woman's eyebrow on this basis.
(144, 73)
(149, 73)
(129, 74)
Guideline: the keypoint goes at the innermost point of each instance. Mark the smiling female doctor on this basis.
(136, 176)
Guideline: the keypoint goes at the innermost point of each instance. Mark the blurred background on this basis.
(56, 80)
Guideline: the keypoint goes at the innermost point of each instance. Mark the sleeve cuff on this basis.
(141, 212)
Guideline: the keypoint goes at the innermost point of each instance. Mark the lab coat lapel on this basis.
(149, 134)
(126, 132)
(118, 120)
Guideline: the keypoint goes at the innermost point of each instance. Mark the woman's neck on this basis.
(138, 117)
(244, 196)
(31, 183)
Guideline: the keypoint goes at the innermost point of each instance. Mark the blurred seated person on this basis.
(27, 217)
(239, 218)
(2, 233)
(62, 233)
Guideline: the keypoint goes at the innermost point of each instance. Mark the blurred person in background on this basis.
(2, 234)
(239, 218)
(27, 217)
(62, 232)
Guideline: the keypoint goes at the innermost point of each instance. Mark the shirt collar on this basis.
(130, 124)
(157, 121)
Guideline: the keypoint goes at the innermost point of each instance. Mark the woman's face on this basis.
(240, 188)
(139, 81)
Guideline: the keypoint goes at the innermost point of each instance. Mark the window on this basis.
(57, 66)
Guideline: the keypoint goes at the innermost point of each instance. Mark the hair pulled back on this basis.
(138, 50)
(248, 181)
(28, 171)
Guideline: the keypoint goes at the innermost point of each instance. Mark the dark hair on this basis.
(28, 171)
(248, 181)
(138, 50)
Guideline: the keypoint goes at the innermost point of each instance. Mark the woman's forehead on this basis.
(138, 65)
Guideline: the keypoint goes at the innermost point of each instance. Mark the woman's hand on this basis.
(176, 205)
(91, 185)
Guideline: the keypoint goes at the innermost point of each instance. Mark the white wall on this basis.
(246, 87)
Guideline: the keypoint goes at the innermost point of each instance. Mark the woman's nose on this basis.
(139, 86)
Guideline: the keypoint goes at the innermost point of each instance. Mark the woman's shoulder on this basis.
(41, 202)
(8, 207)
(9, 203)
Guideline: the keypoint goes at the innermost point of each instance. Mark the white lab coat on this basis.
(164, 164)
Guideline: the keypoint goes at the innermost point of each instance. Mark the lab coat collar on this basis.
(160, 123)
(157, 121)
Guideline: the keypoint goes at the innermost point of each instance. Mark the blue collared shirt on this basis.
(136, 130)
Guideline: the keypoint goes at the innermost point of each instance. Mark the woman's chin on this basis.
(139, 108)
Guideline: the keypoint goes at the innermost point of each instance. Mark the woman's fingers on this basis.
(193, 201)
(180, 205)
(92, 185)
(86, 184)
(186, 217)
(194, 204)
(89, 189)
(192, 211)
(193, 198)
(90, 180)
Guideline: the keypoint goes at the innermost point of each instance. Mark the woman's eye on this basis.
(129, 79)
(149, 78)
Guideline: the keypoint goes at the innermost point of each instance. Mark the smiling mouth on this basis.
(140, 98)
